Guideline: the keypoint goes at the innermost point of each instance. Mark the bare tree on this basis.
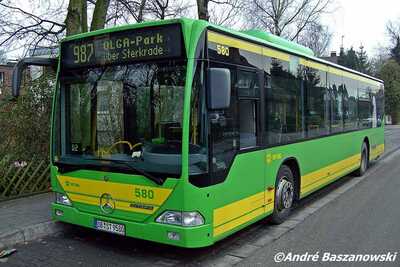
(76, 20)
(3, 57)
(221, 12)
(202, 9)
(32, 27)
(46, 24)
(393, 30)
(99, 14)
(287, 18)
(127, 11)
(317, 37)
(133, 11)
(226, 13)
(162, 9)
(124, 11)
(381, 55)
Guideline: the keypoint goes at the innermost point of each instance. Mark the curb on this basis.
(30, 233)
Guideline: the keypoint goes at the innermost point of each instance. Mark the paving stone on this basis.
(243, 251)
(264, 240)
(225, 261)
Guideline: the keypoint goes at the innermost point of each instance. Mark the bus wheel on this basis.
(364, 161)
(284, 195)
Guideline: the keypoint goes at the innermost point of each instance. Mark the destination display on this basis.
(124, 46)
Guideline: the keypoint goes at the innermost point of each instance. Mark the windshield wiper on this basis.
(68, 167)
(155, 179)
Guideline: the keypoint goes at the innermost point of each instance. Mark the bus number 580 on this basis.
(223, 50)
(144, 193)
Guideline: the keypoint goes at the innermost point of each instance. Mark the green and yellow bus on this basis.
(183, 132)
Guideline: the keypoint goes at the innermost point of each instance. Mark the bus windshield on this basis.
(130, 112)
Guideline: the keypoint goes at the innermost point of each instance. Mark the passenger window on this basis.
(317, 103)
(380, 102)
(336, 92)
(284, 104)
(365, 106)
(350, 111)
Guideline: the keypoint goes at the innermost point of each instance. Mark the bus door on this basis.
(251, 156)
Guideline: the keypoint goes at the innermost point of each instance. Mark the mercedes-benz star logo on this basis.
(107, 203)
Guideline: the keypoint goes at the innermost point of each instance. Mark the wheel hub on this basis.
(364, 161)
(285, 194)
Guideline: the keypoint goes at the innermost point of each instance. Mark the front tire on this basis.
(364, 163)
(284, 195)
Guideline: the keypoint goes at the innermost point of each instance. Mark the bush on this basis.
(25, 122)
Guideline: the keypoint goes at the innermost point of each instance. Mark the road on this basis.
(364, 219)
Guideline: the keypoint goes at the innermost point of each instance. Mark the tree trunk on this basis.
(76, 20)
(99, 15)
(141, 9)
(202, 9)
(84, 16)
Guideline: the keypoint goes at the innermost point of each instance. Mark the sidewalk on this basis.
(26, 219)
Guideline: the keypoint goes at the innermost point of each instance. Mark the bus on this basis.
(183, 132)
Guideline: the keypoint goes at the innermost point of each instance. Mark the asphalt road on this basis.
(365, 219)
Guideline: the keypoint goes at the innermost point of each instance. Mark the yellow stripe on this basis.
(333, 70)
(377, 151)
(248, 46)
(317, 178)
(312, 64)
(238, 208)
(240, 212)
(328, 179)
(265, 51)
(275, 54)
(84, 199)
(118, 191)
(119, 205)
(241, 220)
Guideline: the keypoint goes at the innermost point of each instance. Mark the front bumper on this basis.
(190, 237)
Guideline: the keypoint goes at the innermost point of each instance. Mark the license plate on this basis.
(114, 228)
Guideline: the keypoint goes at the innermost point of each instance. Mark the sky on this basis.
(361, 22)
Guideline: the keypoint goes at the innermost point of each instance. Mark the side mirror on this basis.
(219, 88)
(23, 64)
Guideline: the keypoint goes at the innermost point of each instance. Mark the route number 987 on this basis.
(83, 53)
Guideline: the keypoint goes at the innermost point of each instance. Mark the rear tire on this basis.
(364, 163)
(284, 195)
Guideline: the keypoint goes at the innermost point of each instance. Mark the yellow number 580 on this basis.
(223, 50)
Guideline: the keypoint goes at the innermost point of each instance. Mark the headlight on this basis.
(192, 219)
(181, 218)
(63, 199)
